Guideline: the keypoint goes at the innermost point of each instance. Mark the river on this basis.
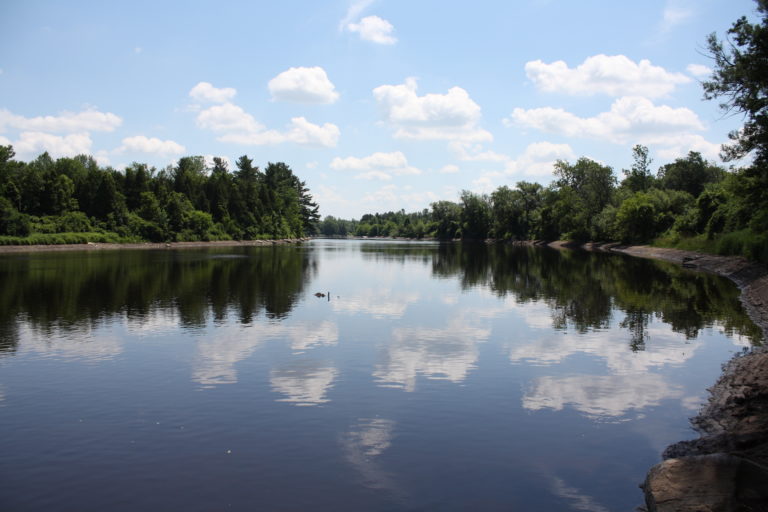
(350, 375)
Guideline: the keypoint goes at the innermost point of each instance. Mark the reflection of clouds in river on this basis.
(158, 320)
(379, 303)
(610, 395)
(368, 439)
(305, 383)
(224, 347)
(448, 353)
(577, 499)
(84, 342)
(667, 348)
(305, 337)
(2, 395)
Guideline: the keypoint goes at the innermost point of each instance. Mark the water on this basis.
(430, 377)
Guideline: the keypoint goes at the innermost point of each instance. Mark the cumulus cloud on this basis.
(538, 159)
(31, 144)
(143, 144)
(239, 127)
(205, 91)
(374, 29)
(303, 85)
(630, 119)
(354, 11)
(614, 75)
(449, 169)
(90, 120)
(228, 118)
(376, 166)
(450, 116)
(699, 70)
(471, 152)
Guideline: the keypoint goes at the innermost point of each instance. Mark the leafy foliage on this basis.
(187, 201)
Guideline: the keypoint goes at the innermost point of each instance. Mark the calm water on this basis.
(433, 377)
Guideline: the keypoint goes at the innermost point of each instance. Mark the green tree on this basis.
(638, 178)
(690, 174)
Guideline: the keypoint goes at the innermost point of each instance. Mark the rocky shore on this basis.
(726, 469)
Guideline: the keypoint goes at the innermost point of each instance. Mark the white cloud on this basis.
(239, 127)
(142, 144)
(390, 197)
(449, 169)
(374, 29)
(632, 119)
(355, 10)
(471, 152)
(4, 141)
(374, 175)
(31, 144)
(614, 75)
(67, 122)
(699, 70)
(450, 116)
(376, 166)
(205, 91)
(228, 118)
(303, 85)
(675, 13)
(539, 158)
(679, 146)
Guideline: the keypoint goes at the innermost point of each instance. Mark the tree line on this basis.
(689, 203)
(74, 199)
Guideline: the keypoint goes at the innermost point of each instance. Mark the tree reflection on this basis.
(583, 289)
(53, 292)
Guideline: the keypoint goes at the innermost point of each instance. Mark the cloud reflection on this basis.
(366, 441)
(600, 396)
(218, 353)
(378, 303)
(304, 384)
(448, 353)
(83, 342)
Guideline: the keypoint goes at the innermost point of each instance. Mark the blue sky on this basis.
(377, 105)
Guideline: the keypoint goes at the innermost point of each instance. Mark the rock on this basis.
(706, 483)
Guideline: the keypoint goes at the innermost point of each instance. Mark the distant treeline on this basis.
(75, 200)
(689, 202)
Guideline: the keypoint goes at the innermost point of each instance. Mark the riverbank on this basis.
(727, 467)
(5, 249)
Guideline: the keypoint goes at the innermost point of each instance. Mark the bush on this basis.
(73, 222)
(12, 222)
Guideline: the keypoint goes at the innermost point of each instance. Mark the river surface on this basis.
(428, 378)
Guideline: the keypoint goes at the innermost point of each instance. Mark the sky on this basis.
(378, 105)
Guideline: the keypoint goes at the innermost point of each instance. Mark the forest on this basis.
(73, 200)
(689, 203)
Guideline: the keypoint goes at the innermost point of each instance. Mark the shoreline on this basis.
(93, 246)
